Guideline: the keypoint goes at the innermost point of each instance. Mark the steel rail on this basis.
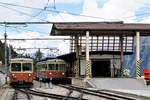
(49, 95)
(28, 95)
(15, 96)
(111, 96)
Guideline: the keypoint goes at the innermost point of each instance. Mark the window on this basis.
(56, 66)
(27, 67)
(16, 67)
(43, 67)
(62, 67)
(51, 67)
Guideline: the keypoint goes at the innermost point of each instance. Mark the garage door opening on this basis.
(101, 69)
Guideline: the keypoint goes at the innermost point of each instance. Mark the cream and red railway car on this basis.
(21, 71)
(54, 69)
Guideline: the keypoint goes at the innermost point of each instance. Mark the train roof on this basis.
(21, 59)
(52, 60)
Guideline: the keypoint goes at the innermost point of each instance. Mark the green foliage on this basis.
(2, 52)
(38, 55)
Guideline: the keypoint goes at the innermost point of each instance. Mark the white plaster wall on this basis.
(82, 67)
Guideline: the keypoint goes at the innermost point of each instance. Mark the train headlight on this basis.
(29, 74)
(13, 74)
(63, 73)
(50, 73)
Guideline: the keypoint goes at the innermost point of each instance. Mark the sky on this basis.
(129, 11)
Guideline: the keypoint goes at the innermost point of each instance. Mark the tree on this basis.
(38, 55)
(2, 52)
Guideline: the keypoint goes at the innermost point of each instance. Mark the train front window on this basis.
(16, 67)
(51, 67)
(27, 67)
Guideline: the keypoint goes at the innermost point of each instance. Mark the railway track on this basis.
(103, 94)
(48, 95)
(16, 95)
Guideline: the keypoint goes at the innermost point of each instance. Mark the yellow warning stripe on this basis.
(77, 69)
(87, 69)
(137, 68)
(122, 69)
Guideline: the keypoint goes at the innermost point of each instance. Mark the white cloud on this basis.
(68, 1)
(145, 20)
(112, 10)
(36, 44)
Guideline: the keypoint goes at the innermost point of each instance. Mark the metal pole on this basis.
(77, 56)
(137, 54)
(87, 56)
(9, 52)
(122, 69)
(5, 35)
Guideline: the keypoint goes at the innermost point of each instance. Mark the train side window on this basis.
(40, 67)
(16, 67)
(56, 66)
(27, 67)
(43, 67)
(51, 67)
(62, 67)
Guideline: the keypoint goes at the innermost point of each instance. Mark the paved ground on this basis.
(127, 85)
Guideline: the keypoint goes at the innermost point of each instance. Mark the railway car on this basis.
(21, 71)
(53, 69)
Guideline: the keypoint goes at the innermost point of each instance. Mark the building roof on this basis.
(51, 60)
(100, 28)
(21, 59)
(72, 55)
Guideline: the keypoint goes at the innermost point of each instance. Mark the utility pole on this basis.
(5, 36)
(9, 52)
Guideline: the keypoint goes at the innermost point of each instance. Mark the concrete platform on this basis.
(118, 83)
(132, 86)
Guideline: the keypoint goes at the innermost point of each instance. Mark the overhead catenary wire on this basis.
(36, 15)
(47, 22)
(57, 11)
(36, 48)
(36, 39)
(21, 12)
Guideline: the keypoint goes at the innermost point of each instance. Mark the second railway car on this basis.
(54, 69)
(21, 71)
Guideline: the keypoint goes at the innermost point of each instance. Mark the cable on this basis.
(71, 13)
(28, 30)
(56, 11)
(36, 15)
(36, 39)
(141, 14)
(21, 12)
(39, 12)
